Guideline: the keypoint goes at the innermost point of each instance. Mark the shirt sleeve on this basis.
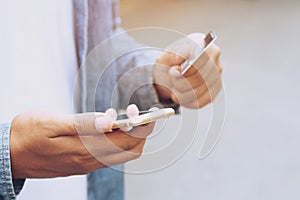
(135, 69)
(135, 73)
(9, 187)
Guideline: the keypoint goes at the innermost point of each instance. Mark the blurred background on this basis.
(257, 156)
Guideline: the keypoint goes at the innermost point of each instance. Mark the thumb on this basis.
(84, 123)
(175, 72)
(170, 59)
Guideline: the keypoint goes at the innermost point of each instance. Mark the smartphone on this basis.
(208, 40)
(151, 116)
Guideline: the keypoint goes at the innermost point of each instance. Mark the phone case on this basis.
(144, 119)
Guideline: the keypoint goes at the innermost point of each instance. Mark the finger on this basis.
(184, 84)
(116, 141)
(112, 113)
(181, 82)
(105, 144)
(83, 160)
(103, 124)
(142, 131)
(206, 75)
(207, 97)
(170, 58)
(124, 156)
(132, 111)
(191, 95)
(175, 72)
(196, 93)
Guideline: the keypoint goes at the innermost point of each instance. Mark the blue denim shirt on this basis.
(9, 187)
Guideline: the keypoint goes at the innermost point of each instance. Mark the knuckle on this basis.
(205, 100)
(128, 146)
(137, 155)
(199, 104)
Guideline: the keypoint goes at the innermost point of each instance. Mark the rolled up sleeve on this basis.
(9, 187)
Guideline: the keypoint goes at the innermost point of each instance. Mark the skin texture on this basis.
(199, 85)
(52, 145)
(44, 144)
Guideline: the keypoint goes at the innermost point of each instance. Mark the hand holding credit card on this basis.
(189, 72)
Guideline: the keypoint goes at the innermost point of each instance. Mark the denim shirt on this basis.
(95, 21)
(8, 187)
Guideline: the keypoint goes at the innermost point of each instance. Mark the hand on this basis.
(199, 85)
(46, 145)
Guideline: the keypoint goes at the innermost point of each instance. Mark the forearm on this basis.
(9, 187)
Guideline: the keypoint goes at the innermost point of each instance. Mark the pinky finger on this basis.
(207, 97)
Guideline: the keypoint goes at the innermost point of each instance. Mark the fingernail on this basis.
(174, 72)
(112, 113)
(103, 123)
(132, 111)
